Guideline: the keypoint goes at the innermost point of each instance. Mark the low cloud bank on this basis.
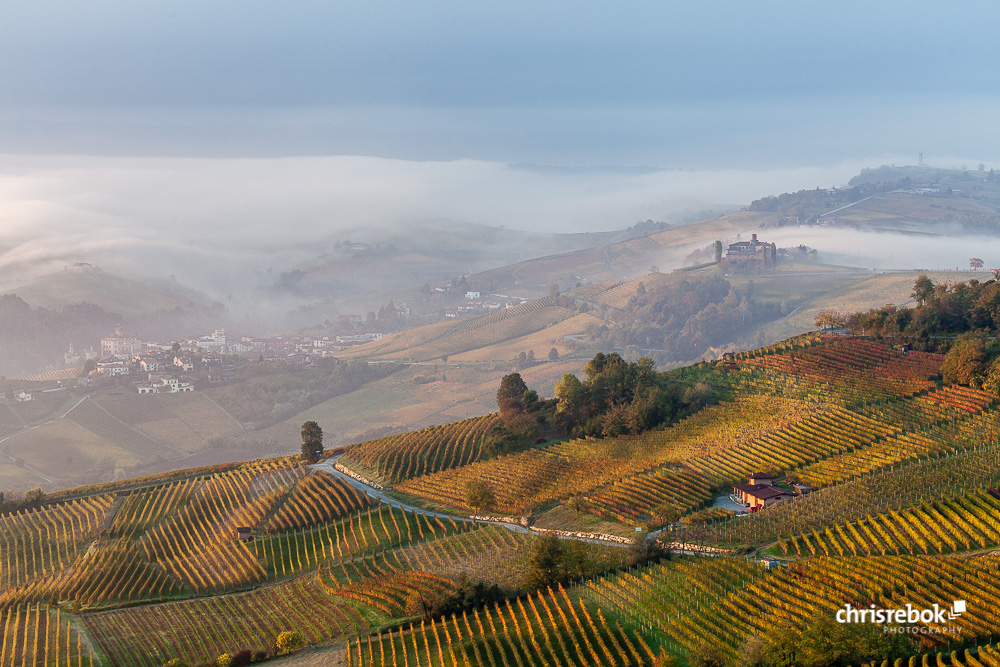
(211, 220)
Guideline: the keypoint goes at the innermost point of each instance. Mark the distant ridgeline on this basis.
(809, 206)
(884, 471)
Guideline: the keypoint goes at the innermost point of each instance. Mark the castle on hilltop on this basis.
(752, 254)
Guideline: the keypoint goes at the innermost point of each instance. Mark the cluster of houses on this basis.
(476, 304)
(158, 368)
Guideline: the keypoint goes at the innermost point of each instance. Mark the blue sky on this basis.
(714, 84)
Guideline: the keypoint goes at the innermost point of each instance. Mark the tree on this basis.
(287, 642)
(553, 354)
(667, 513)
(707, 654)
(510, 393)
(966, 362)
(554, 290)
(427, 605)
(718, 251)
(829, 319)
(990, 384)
(578, 504)
(545, 565)
(312, 442)
(923, 290)
(975, 263)
(479, 495)
(753, 651)
(88, 366)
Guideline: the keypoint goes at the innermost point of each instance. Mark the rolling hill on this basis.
(94, 439)
(150, 570)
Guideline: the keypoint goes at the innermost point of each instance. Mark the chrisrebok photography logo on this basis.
(907, 619)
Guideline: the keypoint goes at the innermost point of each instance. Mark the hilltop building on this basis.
(120, 345)
(73, 358)
(752, 254)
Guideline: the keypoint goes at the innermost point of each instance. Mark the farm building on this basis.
(760, 492)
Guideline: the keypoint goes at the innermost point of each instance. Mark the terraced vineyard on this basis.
(859, 368)
(929, 441)
(889, 490)
(713, 601)
(615, 470)
(549, 628)
(970, 521)
(636, 499)
(317, 499)
(200, 629)
(538, 477)
(40, 635)
(41, 542)
(375, 530)
(396, 458)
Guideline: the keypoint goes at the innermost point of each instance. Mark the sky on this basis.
(130, 130)
(716, 84)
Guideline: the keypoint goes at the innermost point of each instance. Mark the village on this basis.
(168, 368)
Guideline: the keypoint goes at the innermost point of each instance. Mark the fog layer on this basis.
(214, 222)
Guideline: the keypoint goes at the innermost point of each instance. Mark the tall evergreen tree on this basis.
(312, 442)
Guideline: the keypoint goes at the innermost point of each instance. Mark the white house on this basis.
(149, 365)
(164, 384)
(472, 295)
(112, 367)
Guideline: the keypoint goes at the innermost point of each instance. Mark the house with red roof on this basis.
(760, 492)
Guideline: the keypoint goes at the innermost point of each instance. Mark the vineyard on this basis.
(368, 532)
(855, 368)
(628, 477)
(889, 490)
(399, 457)
(102, 423)
(434, 340)
(971, 521)
(534, 478)
(223, 560)
(43, 636)
(716, 600)
(546, 628)
(315, 500)
(200, 629)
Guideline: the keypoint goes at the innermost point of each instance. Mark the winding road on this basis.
(327, 466)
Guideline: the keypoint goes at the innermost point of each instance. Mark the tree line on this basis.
(681, 321)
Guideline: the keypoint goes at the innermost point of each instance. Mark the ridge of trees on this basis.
(679, 321)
